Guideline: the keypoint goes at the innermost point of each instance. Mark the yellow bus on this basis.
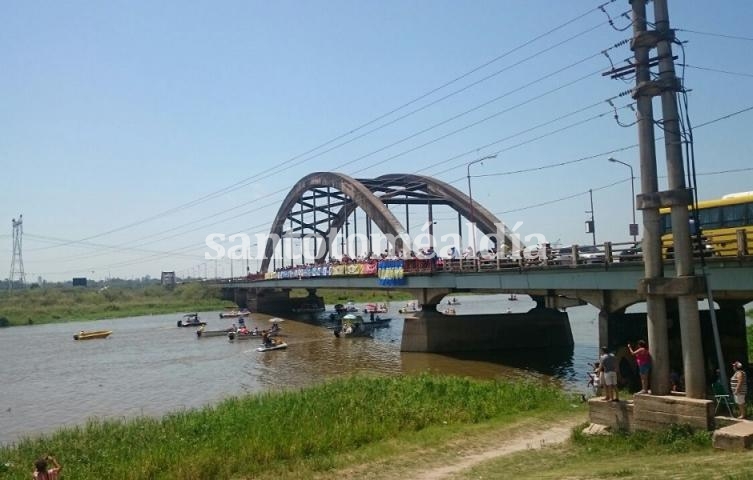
(720, 220)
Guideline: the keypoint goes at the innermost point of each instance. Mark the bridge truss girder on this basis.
(329, 198)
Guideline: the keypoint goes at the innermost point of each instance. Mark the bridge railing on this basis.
(731, 244)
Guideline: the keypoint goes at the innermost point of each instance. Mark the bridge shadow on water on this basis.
(557, 363)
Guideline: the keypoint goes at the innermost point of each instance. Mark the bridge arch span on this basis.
(360, 195)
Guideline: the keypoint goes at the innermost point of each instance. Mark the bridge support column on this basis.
(272, 301)
(603, 328)
(431, 331)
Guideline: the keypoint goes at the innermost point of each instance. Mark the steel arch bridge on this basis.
(321, 204)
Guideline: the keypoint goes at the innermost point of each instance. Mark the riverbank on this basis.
(292, 434)
(65, 304)
(426, 427)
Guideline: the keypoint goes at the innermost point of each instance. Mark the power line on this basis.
(720, 35)
(276, 168)
(707, 69)
(707, 123)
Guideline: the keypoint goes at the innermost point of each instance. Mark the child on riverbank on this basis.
(594, 378)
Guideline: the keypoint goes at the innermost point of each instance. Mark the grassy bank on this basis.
(333, 296)
(47, 305)
(296, 434)
(673, 453)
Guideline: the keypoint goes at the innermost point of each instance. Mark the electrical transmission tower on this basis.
(17, 262)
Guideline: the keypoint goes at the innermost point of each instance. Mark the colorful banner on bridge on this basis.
(391, 273)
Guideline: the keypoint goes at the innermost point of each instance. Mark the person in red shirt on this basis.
(643, 359)
(41, 472)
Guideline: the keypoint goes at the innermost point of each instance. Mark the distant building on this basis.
(79, 281)
(168, 279)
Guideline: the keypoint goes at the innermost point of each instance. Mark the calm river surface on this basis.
(148, 366)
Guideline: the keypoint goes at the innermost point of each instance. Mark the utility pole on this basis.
(679, 199)
(17, 258)
(656, 309)
(591, 223)
(685, 286)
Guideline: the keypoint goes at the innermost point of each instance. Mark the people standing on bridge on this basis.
(643, 359)
(739, 386)
(608, 366)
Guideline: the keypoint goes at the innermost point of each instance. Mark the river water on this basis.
(148, 366)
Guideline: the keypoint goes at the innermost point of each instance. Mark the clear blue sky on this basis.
(113, 112)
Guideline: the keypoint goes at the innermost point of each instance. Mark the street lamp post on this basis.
(633, 226)
(470, 196)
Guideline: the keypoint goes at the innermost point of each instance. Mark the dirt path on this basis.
(556, 434)
(446, 461)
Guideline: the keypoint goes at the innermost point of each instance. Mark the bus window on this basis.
(710, 217)
(734, 215)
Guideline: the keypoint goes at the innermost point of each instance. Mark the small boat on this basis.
(354, 326)
(191, 320)
(273, 346)
(239, 335)
(91, 334)
(244, 334)
(201, 332)
(411, 307)
(377, 322)
(376, 308)
(233, 313)
(349, 307)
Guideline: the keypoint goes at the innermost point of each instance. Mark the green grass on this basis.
(62, 304)
(305, 432)
(677, 452)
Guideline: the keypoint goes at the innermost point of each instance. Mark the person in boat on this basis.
(233, 328)
(243, 330)
(275, 328)
(266, 339)
(256, 331)
(41, 472)
(241, 322)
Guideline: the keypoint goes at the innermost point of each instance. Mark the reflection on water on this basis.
(149, 366)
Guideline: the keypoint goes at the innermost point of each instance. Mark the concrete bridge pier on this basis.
(274, 301)
(432, 331)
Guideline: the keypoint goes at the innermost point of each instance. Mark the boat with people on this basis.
(235, 313)
(244, 333)
(275, 345)
(92, 334)
(348, 307)
(202, 332)
(354, 326)
(410, 307)
(377, 322)
(376, 308)
(191, 320)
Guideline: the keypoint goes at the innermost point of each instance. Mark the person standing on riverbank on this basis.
(739, 386)
(608, 365)
(643, 359)
(41, 472)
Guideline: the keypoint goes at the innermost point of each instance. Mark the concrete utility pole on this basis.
(680, 197)
(686, 287)
(656, 309)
